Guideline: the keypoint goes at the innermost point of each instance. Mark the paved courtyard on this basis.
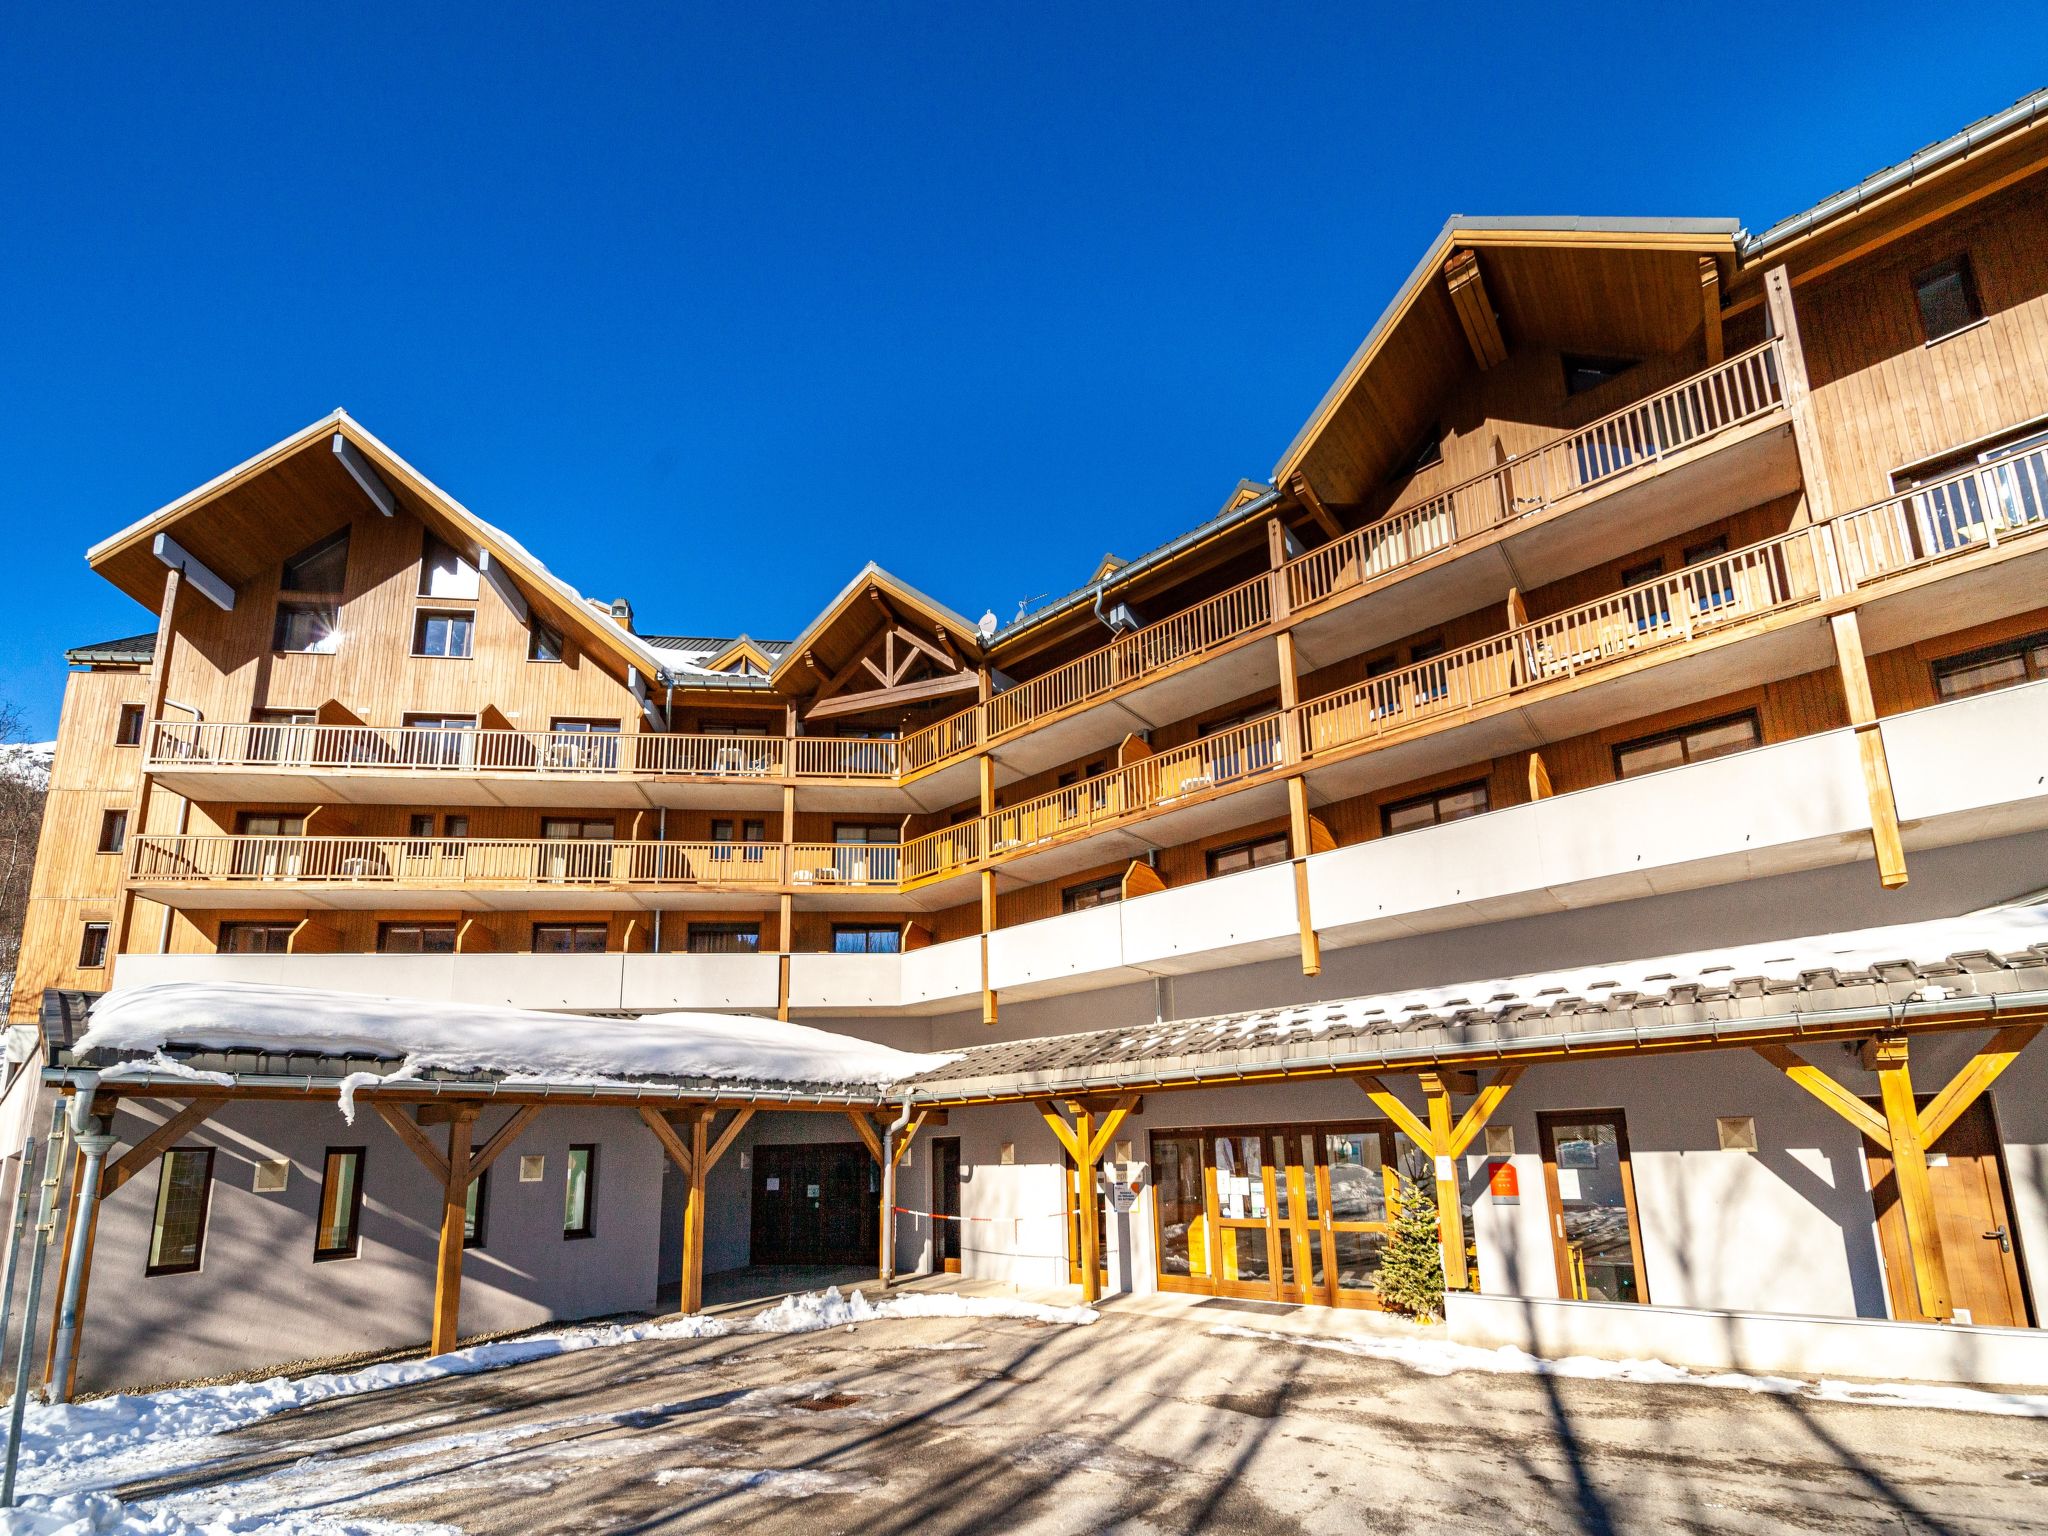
(1147, 1421)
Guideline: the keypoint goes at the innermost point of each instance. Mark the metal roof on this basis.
(134, 649)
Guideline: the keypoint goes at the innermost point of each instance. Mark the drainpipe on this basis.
(19, 1226)
(53, 1164)
(889, 1136)
(95, 1143)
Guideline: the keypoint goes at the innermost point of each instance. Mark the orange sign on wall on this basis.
(1502, 1183)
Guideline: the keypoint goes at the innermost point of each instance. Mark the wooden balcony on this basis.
(456, 873)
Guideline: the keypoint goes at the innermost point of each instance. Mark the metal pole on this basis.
(95, 1145)
(889, 1135)
(46, 1220)
(26, 1164)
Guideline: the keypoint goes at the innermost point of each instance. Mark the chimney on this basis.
(622, 614)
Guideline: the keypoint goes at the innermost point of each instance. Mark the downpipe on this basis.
(15, 1230)
(94, 1141)
(46, 1219)
(889, 1135)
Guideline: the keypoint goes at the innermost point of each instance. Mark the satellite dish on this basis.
(987, 626)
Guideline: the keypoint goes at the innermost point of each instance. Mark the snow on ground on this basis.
(1441, 1357)
(527, 1047)
(72, 1453)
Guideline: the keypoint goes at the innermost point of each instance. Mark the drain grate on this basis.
(1270, 1308)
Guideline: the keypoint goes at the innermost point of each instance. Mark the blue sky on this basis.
(708, 307)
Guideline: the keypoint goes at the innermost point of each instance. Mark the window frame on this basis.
(151, 1268)
(138, 714)
(691, 932)
(422, 617)
(432, 544)
(1679, 734)
(2023, 647)
(533, 938)
(311, 552)
(248, 925)
(385, 932)
(1435, 798)
(1105, 892)
(476, 1215)
(1959, 266)
(95, 938)
(588, 1225)
(354, 1245)
(325, 644)
(1247, 846)
(871, 931)
(113, 830)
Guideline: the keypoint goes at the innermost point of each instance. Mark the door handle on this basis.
(2003, 1238)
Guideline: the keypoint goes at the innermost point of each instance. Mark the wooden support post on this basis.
(1886, 1056)
(786, 923)
(1784, 325)
(1539, 778)
(1444, 1142)
(1084, 1141)
(1299, 839)
(153, 711)
(454, 1215)
(1710, 308)
(685, 1135)
(1877, 773)
(988, 883)
(1518, 611)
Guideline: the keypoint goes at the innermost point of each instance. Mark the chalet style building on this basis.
(1600, 773)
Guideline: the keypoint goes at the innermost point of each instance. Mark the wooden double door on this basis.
(1279, 1213)
(816, 1203)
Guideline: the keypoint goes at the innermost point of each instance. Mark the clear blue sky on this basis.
(977, 291)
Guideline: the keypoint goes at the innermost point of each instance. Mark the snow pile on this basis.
(1641, 983)
(101, 1514)
(528, 1048)
(827, 1309)
(1441, 1357)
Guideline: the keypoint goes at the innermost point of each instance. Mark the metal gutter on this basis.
(2021, 114)
(310, 1084)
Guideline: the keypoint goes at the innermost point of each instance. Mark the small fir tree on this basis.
(1410, 1278)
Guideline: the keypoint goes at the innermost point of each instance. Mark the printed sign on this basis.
(1502, 1185)
(1578, 1154)
(1568, 1184)
(773, 1185)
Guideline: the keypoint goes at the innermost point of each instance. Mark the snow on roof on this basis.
(1924, 962)
(524, 1048)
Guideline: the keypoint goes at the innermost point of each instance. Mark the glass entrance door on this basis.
(1593, 1203)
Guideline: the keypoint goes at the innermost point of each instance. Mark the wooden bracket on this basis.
(1475, 309)
(146, 1151)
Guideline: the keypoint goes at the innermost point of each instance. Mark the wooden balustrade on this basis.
(860, 866)
(1978, 507)
(1725, 396)
(711, 757)
(436, 862)
(845, 757)
(947, 738)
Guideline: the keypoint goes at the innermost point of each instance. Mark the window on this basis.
(724, 939)
(339, 1234)
(439, 741)
(321, 567)
(1256, 854)
(1584, 373)
(311, 623)
(1427, 455)
(435, 633)
(1994, 666)
(113, 831)
(92, 947)
(1653, 606)
(476, 1206)
(1431, 683)
(569, 938)
(583, 744)
(415, 938)
(280, 740)
(579, 1194)
(443, 571)
(1096, 893)
(850, 832)
(178, 1233)
(577, 828)
(1439, 805)
(1689, 744)
(866, 939)
(255, 938)
(1592, 1190)
(1947, 296)
(128, 726)
(542, 643)
(1714, 586)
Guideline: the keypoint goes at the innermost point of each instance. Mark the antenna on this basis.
(1024, 605)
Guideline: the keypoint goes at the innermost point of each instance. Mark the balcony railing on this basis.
(538, 864)
(1736, 391)
(210, 743)
(1979, 507)
(710, 757)
(859, 866)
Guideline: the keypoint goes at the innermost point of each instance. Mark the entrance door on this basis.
(815, 1203)
(1592, 1205)
(1974, 1214)
(946, 1203)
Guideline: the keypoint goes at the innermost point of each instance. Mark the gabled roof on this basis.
(125, 557)
(872, 577)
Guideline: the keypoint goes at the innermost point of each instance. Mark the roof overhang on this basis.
(851, 616)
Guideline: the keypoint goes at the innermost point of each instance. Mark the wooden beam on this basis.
(402, 1124)
(726, 1137)
(1403, 1117)
(1450, 1206)
(902, 1148)
(1061, 1131)
(454, 1217)
(1481, 1109)
(151, 1147)
(693, 1213)
(1539, 778)
(906, 693)
(493, 571)
(502, 1138)
(1909, 1173)
(1518, 611)
(1710, 308)
(365, 475)
(1974, 1078)
(1854, 671)
(866, 1127)
(1784, 325)
(1475, 309)
(1828, 1091)
(1299, 488)
(1111, 1123)
(677, 1149)
(216, 589)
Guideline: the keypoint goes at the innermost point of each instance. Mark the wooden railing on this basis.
(449, 862)
(1133, 657)
(859, 866)
(1727, 395)
(845, 757)
(939, 741)
(710, 757)
(444, 749)
(1747, 583)
(1979, 507)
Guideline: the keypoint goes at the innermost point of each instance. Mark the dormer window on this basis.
(309, 605)
(1584, 373)
(444, 572)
